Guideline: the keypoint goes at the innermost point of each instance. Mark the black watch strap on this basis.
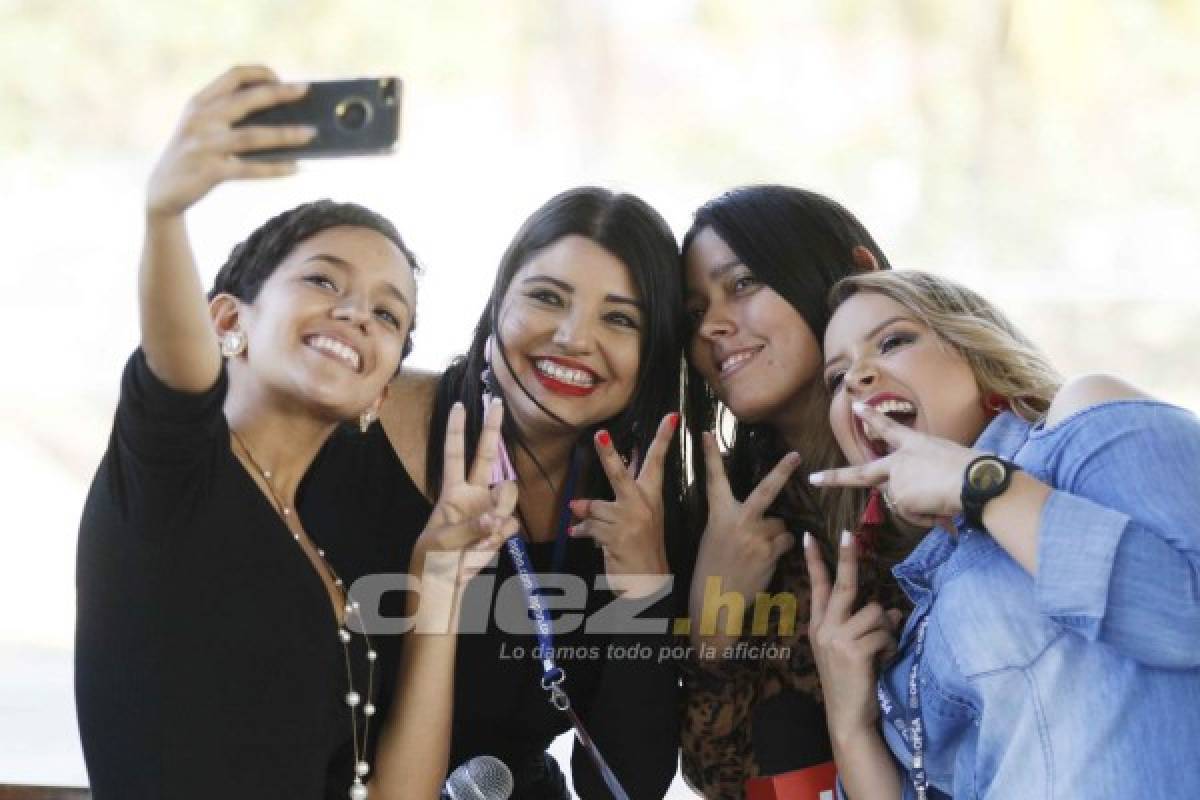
(985, 478)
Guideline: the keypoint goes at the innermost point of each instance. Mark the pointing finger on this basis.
(453, 453)
(486, 454)
(770, 486)
(610, 460)
(651, 473)
(845, 583)
(870, 474)
(714, 469)
(818, 580)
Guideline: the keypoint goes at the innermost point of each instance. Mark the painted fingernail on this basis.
(847, 538)
(859, 406)
(604, 439)
(807, 540)
(571, 530)
(674, 419)
(816, 478)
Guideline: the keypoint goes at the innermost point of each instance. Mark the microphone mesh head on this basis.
(481, 778)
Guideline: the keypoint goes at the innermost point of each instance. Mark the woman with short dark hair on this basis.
(219, 649)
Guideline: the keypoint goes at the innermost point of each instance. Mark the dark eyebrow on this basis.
(569, 289)
(719, 270)
(715, 273)
(346, 266)
(871, 334)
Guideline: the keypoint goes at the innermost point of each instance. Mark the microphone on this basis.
(481, 778)
(792, 750)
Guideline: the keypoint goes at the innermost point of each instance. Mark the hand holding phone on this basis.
(206, 149)
(351, 117)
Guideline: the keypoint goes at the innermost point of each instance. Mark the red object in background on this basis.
(811, 783)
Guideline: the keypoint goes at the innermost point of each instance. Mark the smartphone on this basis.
(353, 118)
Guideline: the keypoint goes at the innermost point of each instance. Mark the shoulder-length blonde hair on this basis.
(1003, 361)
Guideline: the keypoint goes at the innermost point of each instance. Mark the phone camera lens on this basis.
(353, 114)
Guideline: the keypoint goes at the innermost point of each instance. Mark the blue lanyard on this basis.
(552, 674)
(911, 727)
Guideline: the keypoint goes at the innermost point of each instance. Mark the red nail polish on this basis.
(604, 439)
(674, 417)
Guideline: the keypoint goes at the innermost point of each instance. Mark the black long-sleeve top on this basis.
(630, 706)
(207, 657)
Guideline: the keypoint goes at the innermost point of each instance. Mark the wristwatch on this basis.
(986, 477)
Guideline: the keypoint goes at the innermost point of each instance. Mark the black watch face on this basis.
(986, 475)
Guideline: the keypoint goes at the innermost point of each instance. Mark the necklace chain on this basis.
(352, 698)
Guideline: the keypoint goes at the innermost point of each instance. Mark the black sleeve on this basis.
(634, 715)
(163, 444)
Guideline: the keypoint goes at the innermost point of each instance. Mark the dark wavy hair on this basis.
(253, 260)
(637, 236)
(799, 243)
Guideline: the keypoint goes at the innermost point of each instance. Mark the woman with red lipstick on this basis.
(1054, 645)
(219, 647)
(582, 337)
(759, 262)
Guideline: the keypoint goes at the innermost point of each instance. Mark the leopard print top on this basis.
(720, 697)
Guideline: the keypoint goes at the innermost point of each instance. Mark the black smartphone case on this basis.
(352, 118)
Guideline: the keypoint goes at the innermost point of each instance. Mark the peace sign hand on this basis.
(921, 478)
(471, 517)
(629, 529)
(740, 545)
(846, 645)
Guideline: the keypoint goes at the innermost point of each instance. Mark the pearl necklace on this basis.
(353, 699)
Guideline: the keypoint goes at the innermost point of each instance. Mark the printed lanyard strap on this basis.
(910, 726)
(553, 675)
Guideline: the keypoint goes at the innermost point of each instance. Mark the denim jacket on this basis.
(1083, 682)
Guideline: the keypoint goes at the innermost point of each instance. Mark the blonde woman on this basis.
(1054, 648)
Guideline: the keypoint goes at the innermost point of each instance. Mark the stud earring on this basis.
(365, 419)
(233, 343)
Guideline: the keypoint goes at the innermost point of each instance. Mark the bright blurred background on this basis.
(1043, 152)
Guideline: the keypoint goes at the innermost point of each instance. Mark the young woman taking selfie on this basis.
(217, 651)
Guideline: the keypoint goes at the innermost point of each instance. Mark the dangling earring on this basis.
(233, 343)
(365, 419)
(490, 385)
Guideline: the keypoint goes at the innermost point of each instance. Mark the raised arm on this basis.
(177, 332)
(1111, 540)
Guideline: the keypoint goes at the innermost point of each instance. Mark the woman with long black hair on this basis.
(759, 262)
(582, 337)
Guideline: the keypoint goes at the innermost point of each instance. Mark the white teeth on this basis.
(573, 377)
(896, 407)
(737, 358)
(335, 348)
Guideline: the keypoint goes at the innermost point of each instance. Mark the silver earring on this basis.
(365, 419)
(233, 343)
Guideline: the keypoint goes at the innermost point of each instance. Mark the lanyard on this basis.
(552, 674)
(910, 726)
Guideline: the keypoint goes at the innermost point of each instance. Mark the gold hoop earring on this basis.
(233, 343)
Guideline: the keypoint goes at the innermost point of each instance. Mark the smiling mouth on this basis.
(335, 349)
(732, 363)
(562, 379)
(896, 408)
